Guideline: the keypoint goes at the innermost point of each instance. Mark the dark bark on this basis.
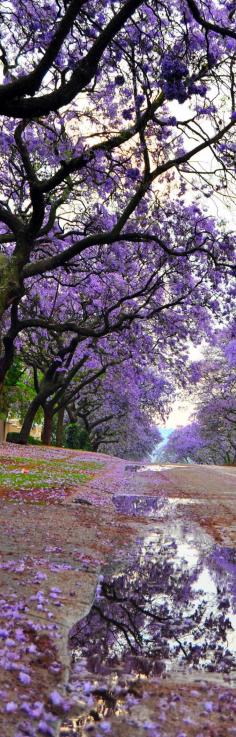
(71, 414)
(12, 100)
(6, 360)
(210, 25)
(60, 426)
(47, 388)
(29, 418)
(8, 350)
(95, 445)
(46, 436)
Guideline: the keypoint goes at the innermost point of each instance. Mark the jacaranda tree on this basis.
(211, 435)
(117, 121)
(117, 411)
(88, 376)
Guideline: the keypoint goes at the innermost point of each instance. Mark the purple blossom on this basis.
(44, 728)
(56, 698)
(11, 706)
(208, 706)
(127, 114)
(133, 173)
(24, 678)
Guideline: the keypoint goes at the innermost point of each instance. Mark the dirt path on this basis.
(55, 547)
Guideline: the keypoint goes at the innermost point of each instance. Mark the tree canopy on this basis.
(117, 125)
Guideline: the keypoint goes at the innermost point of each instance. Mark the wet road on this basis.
(143, 560)
(156, 655)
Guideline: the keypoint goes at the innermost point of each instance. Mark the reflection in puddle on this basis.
(139, 505)
(205, 583)
(156, 467)
(164, 612)
(150, 506)
(176, 500)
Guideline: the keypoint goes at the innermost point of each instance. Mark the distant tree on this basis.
(211, 437)
(118, 410)
(184, 444)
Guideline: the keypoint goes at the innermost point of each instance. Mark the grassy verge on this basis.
(21, 473)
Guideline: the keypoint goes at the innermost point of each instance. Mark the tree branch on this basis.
(10, 97)
(208, 25)
(53, 262)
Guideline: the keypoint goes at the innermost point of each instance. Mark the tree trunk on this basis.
(60, 426)
(29, 418)
(94, 445)
(47, 425)
(4, 366)
(6, 360)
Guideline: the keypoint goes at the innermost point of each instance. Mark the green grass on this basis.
(28, 473)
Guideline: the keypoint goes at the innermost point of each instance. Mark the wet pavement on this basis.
(138, 567)
(157, 653)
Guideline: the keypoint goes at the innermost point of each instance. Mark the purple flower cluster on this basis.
(174, 73)
(176, 82)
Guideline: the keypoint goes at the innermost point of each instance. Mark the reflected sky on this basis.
(171, 607)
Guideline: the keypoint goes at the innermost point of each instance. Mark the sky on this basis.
(183, 407)
(180, 414)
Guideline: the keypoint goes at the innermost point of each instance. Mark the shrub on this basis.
(13, 437)
(77, 437)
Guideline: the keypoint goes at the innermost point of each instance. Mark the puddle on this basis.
(169, 610)
(150, 506)
(174, 500)
(139, 505)
(156, 467)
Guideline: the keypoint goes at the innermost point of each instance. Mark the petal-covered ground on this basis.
(144, 561)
